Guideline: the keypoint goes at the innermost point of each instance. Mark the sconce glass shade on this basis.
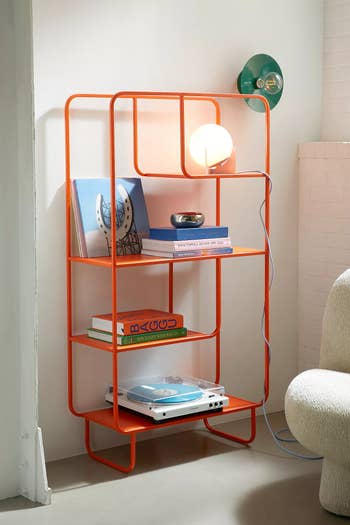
(272, 83)
(210, 145)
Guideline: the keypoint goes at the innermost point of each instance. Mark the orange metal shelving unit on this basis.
(117, 418)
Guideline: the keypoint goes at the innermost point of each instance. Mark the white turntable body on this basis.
(208, 401)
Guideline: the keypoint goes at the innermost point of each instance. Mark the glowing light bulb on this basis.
(272, 83)
(210, 145)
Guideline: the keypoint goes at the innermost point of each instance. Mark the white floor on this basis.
(191, 478)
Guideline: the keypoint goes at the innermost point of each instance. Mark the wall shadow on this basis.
(17, 503)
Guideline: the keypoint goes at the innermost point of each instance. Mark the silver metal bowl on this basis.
(187, 219)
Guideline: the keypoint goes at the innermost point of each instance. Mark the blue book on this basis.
(92, 214)
(185, 234)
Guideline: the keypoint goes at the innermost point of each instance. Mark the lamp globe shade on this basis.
(210, 145)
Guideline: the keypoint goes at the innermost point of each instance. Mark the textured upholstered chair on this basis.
(317, 402)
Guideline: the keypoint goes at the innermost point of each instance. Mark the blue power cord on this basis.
(275, 435)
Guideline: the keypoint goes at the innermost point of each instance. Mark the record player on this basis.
(163, 398)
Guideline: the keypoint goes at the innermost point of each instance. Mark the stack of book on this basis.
(138, 326)
(187, 242)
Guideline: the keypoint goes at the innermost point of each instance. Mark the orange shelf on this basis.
(126, 421)
(101, 345)
(145, 260)
(132, 422)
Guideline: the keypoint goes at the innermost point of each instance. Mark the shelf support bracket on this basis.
(116, 466)
(232, 437)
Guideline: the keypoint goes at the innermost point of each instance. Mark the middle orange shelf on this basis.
(107, 347)
(147, 260)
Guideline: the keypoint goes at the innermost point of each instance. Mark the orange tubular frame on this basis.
(134, 96)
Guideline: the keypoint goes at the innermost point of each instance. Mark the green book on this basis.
(137, 338)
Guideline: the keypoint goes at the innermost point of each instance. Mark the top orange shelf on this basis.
(181, 97)
(146, 260)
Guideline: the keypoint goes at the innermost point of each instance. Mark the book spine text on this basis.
(155, 336)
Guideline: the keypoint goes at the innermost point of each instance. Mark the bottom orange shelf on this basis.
(132, 422)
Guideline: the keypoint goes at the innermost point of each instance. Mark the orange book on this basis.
(138, 321)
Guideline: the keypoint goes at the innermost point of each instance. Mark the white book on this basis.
(172, 255)
(223, 250)
(182, 246)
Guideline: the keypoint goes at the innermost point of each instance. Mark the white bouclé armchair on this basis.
(317, 402)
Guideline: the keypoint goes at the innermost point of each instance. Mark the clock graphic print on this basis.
(128, 240)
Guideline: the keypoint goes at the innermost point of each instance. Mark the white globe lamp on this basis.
(210, 145)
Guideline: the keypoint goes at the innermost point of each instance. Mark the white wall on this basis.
(106, 46)
(323, 179)
(324, 237)
(336, 103)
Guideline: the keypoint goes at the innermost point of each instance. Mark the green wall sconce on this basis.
(261, 76)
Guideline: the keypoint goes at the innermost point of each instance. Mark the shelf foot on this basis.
(232, 437)
(116, 466)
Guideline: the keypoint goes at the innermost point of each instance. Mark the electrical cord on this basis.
(275, 435)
